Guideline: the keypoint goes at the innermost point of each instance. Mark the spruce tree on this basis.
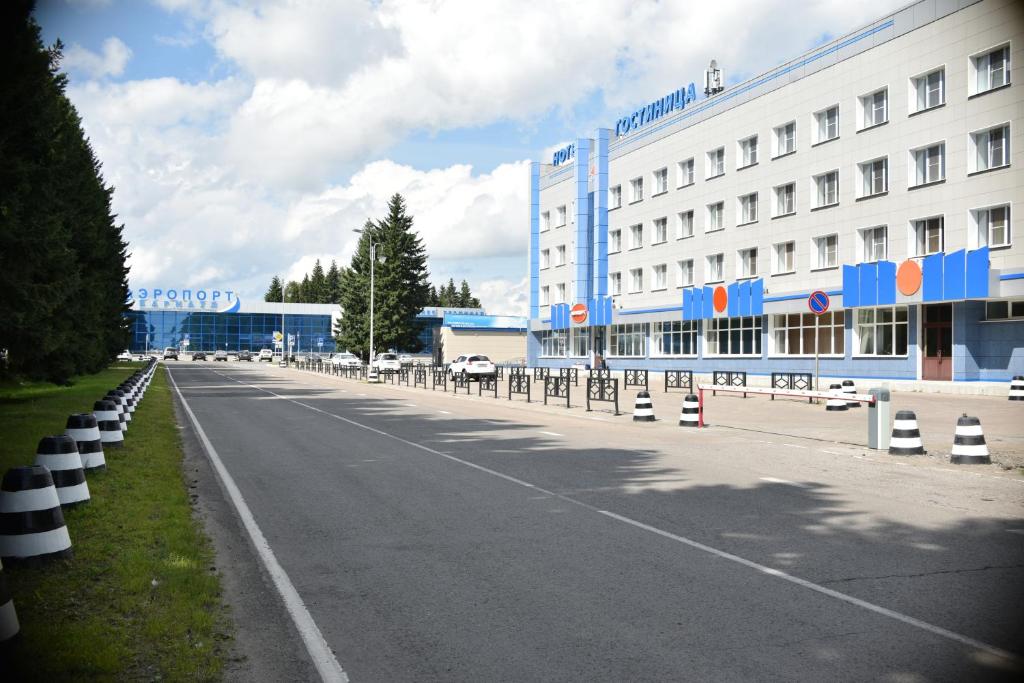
(317, 285)
(465, 296)
(305, 290)
(404, 283)
(333, 284)
(274, 291)
(292, 292)
(353, 330)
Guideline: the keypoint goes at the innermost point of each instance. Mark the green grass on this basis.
(140, 599)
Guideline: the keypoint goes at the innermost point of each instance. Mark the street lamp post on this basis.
(373, 261)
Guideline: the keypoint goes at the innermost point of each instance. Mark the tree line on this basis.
(63, 269)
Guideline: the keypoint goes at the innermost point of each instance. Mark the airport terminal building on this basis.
(882, 169)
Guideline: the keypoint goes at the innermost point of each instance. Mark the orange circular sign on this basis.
(578, 313)
(908, 277)
(721, 298)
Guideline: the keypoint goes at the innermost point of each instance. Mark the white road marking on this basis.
(793, 445)
(326, 665)
(446, 412)
(410, 405)
(1016, 531)
(773, 480)
(823, 450)
(552, 433)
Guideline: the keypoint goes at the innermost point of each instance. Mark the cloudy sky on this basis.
(247, 139)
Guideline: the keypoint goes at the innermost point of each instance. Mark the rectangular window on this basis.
(716, 163)
(874, 109)
(874, 177)
(580, 345)
(636, 190)
(684, 273)
(1004, 310)
(560, 216)
(928, 164)
(990, 148)
(748, 208)
(785, 139)
(661, 181)
(785, 258)
(927, 236)
(545, 258)
(747, 152)
(881, 331)
(826, 188)
(659, 277)
(552, 343)
(674, 338)
(798, 334)
(660, 230)
(992, 226)
(874, 243)
(560, 293)
(545, 295)
(826, 249)
(628, 340)
(746, 263)
(991, 69)
(615, 197)
(636, 236)
(614, 241)
(928, 90)
(715, 268)
(827, 124)
(684, 173)
(545, 221)
(785, 199)
(716, 217)
(636, 280)
(560, 255)
(684, 224)
(615, 281)
(733, 336)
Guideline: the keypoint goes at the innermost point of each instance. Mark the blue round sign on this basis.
(818, 302)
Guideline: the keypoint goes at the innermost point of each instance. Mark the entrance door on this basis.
(937, 328)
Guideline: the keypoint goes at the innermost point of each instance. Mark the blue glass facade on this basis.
(209, 331)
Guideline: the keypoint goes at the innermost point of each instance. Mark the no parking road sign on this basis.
(818, 302)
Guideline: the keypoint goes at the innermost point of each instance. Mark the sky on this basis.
(248, 139)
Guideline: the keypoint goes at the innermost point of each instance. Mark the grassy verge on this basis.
(139, 600)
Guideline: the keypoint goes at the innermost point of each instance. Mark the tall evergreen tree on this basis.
(292, 292)
(274, 291)
(465, 296)
(333, 284)
(305, 290)
(317, 285)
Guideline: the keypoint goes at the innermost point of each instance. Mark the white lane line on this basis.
(770, 571)
(446, 412)
(1016, 531)
(794, 445)
(326, 664)
(410, 405)
(787, 482)
(552, 433)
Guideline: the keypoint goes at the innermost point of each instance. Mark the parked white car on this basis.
(405, 359)
(266, 355)
(386, 362)
(473, 366)
(346, 360)
(125, 355)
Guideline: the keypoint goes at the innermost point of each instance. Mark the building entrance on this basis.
(937, 330)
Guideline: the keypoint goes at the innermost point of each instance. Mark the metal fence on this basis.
(793, 380)
(419, 377)
(603, 389)
(439, 377)
(488, 383)
(570, 374)
(541, 373)
(678, 379)
(519, 383)
(556, 387)
(635, 378)
(602, 373)
(729, 378)
(460, 381)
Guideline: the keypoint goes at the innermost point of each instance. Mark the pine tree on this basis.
(449, 295)
(292, 292)
(434, 301)
(465, 296)
(305, 290)
(317, 285)
(353, 330)
(333, 284)
(274, 291)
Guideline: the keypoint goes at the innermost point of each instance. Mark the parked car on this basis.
(220, 354)
(198, 355)
(387, 362)
(170, 352)
(245, 355)
(266, 355)
(125, 355)
(346, 359)
(405, 360)
(472, 366)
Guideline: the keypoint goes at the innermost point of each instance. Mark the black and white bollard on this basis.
(644, 409)
(122, 410)
(8, 617)
(372, 377)
(110, 433)
(1017, 388)
(59, 454)
(906, 437)
(32, 529)
(850, 388)
(969, 447)
(83, 428)
(836, 401)
(690, 415)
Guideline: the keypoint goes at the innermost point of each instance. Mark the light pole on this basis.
(373, 260)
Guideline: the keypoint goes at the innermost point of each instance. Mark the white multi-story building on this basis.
(881, 168)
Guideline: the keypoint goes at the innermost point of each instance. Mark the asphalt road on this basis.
(435, 538)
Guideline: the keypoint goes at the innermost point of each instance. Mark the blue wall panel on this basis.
(732, 308)
(688, 304)
(867, 293)
(584, 226)
(600, 218)
(744, 298)
(886, 283)
(757, 297)
(977, 274)
(954, 273)
(534, 240)
(851, 287)
(931, 288)
(708, 307)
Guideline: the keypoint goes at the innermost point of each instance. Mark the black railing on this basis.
(729, 378)
(803, 381)
(460, 381)
(419, 377)
(403, 375)
(541, 373)
(679, 379)
(439, 377)
(601, 373)
(556, 387)
(488, 383)
(635, 378)
(519, 383)
(570, 374)
(604, 389)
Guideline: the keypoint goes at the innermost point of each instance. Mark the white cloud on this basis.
(111, 61)
(504, 297)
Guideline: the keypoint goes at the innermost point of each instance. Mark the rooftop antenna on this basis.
(713, 79)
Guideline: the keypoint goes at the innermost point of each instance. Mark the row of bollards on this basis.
(32, 528)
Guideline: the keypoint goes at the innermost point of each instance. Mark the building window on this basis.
(560, 293)
(545, 258)
(636, 190)
(545, 295)
(684, 224)
(733, 336)
(552, 343)
(826, 249)
(874, 176)
(796, 334)
(659, 277)
(826, 189)
(580, 345)
(660, 230)
(660, 181)
(560, 255)
(785, 199)
(684, 273)
(747, 152)
(628, 340)
(874, 109)
(785, 258)
(716, 217)
(990, 148)
(927, 236)
(1004, 310)
(881, 331)
(928, 90)
(874, 243)
(716, 163)
(992, 226)
(616, 283)
(615, 197)
(715, 268)
(636, 236)
(991, 70)
(545, 221)
(684, 173)
(560, 216)
(636, 280)
(746, 263)
(785, 139)
(826, 124)
(614, 241)
(928, 164)
(674, 338)
(748, 208)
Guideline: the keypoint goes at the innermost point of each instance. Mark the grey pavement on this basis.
(435, 537)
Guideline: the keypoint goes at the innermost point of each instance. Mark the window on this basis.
(874, 243)
(614, 241)
(733, 336)
(716, 162)
(928, 164)
(659, 277)
(636, 190)
(826, 188)
(827, 124)
(684, 273)
(992, 226)
(928, 90)
(545, 295)
(826, 248)
(674, 338)
(748, 208)
(785, 139)
(628, 340)
(684, 224)
(661, 181)
(560, 255)
(545, 221)
(746, 263)
(716, 217)
(684, 173)
(636, 280)
(580, 345)
(560, 293)
(1004, 310)
(785, 258)
(615, 280)
(927, 236)
(991, 70)
(714, 265)
(785, 199)
(747, 152)
(660, 230)
(881, 331)
(552, 343)
(545, 258)
(615, 197)
(796, 334)
(874, 176)
(636, 236)
(560, 216)
(990, 149)
(874, 109)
